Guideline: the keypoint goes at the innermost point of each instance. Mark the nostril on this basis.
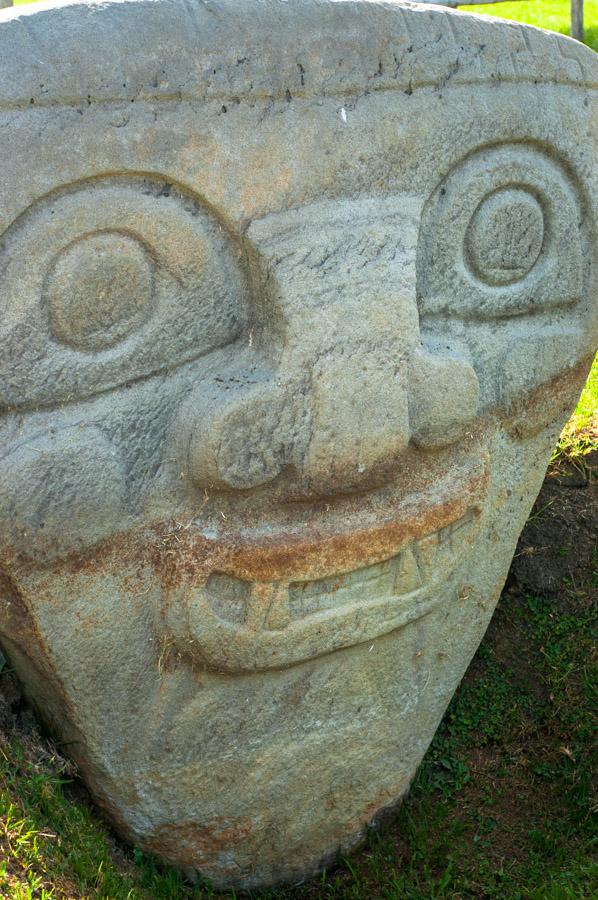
(233, 438)
(251, 452)
(444, 396)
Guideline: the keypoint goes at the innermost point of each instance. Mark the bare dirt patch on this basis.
(558, 549)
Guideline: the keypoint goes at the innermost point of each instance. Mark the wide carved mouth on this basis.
(260, 595)
(242, 625)
(277, 604)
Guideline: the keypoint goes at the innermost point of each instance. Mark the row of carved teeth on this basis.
(273, 605)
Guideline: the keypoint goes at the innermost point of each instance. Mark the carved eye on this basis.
(99, 290)
(501, 236)
(504, 237)
(111, 280)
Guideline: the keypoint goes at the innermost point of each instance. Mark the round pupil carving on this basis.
(504, 238)
(99, 290)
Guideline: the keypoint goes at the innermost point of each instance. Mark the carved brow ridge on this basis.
(248, 50)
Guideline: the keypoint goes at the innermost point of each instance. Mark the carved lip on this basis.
(256, 597)
(240, 625)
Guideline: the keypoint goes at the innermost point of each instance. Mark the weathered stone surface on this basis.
(295, 298)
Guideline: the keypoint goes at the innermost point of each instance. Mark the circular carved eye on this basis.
(111, 280)
(99, 290)
(500, 236)
(504, 237)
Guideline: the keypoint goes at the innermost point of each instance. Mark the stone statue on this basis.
(295, 298)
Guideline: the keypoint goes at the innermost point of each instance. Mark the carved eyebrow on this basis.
(336, 214)
(230, 50)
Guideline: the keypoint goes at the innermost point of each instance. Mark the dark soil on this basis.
(558, 548)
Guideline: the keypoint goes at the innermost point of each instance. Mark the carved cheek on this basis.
(74, 476)
(233, 436)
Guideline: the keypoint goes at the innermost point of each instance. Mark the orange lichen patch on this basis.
(197, 845)
(326, 541)
(12, 606)
(319, 548)
(385, 802)
(381, 808)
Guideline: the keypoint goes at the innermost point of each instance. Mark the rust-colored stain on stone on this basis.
(190, 844)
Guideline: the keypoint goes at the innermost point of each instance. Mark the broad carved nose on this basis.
(337, 425)
(352, 385)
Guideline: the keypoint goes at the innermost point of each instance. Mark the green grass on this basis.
(552, 14)
(580, 434)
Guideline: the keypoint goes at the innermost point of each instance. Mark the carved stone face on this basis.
(294, 300)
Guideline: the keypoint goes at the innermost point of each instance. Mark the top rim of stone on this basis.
(69, 53)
